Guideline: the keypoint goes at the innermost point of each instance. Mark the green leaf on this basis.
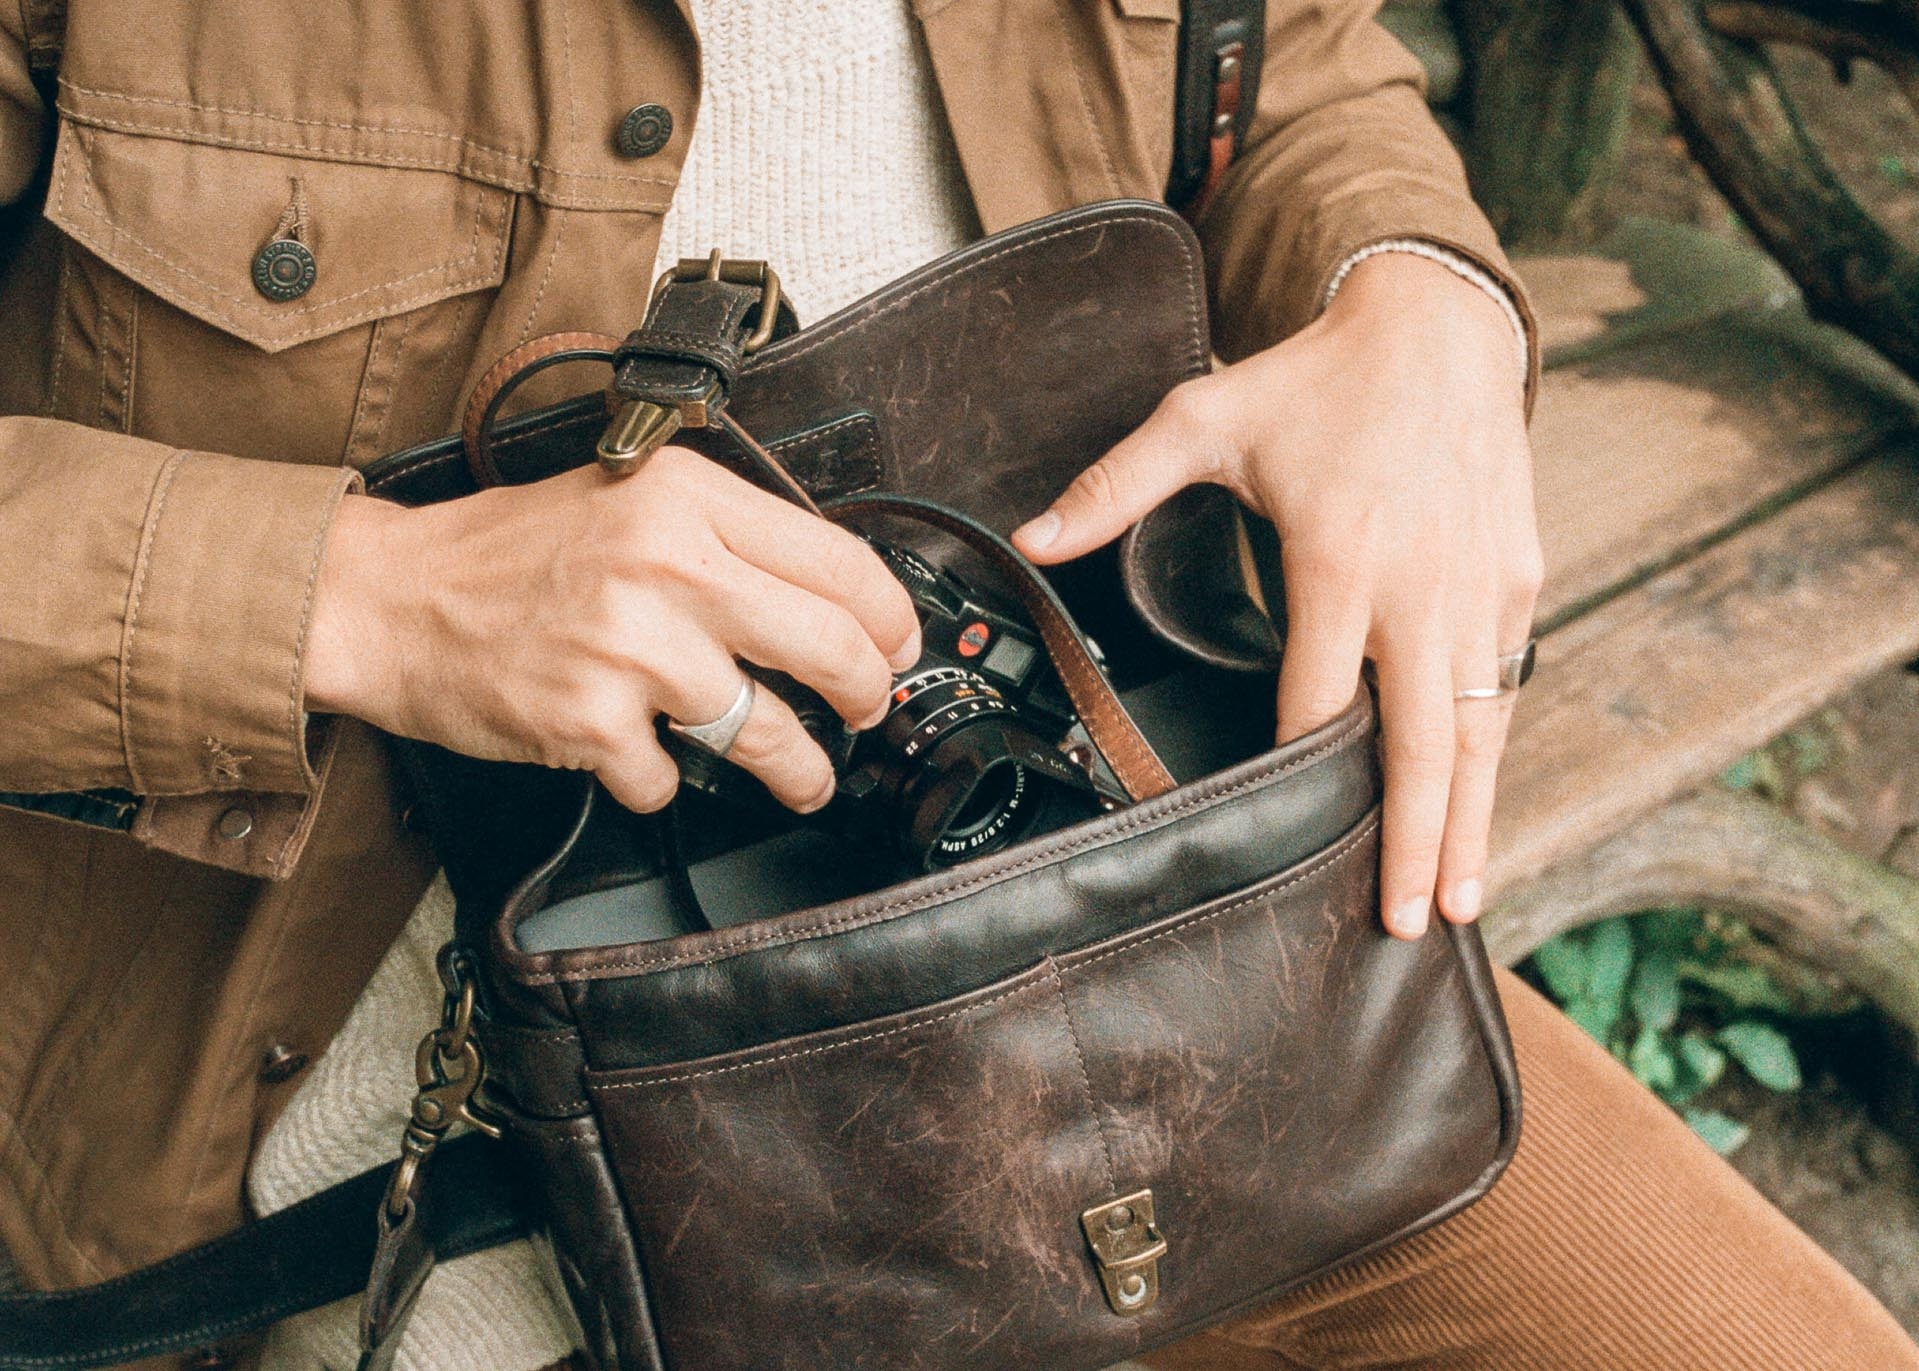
(1758, 771)
(1811, 750)
(1742, 984)
(1598, 1020)
(1655, 989)
(1652, 1062)
(1764, 1051)
(1608, 970)
(1700, 1060)
(1700, 1067)
(1723, 1135)
(1562, 961)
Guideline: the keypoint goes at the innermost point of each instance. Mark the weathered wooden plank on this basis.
(1666, 684)
(1645, 455)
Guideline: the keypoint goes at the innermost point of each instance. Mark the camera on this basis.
(978, 748)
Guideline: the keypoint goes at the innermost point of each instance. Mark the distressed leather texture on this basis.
(862, 1134)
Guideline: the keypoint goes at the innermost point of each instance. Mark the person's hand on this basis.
(552, 622)
(1387, 443)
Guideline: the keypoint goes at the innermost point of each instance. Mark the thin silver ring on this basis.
(718, 736)
(1515, 669)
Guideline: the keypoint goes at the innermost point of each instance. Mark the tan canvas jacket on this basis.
(195, 877)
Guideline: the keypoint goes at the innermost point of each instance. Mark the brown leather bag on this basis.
(1045, 1108)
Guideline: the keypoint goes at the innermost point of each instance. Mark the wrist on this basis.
(347, 627)
(1433, 305)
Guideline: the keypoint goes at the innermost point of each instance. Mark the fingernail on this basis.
(1464, 902)
(907, 655)
(1408, 918)
(1041, 531)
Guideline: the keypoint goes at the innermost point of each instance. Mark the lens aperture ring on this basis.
(932, 703)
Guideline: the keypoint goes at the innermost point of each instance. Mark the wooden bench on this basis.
(1729, 502)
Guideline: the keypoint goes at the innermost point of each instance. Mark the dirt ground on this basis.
(1839, 1156)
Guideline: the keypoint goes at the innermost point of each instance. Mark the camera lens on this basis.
(961, 787)
(992, 800)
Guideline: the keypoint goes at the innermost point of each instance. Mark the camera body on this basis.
(972, 753)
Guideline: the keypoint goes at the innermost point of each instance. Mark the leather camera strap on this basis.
(505, 376)
(311, 1254)
(1111, 728)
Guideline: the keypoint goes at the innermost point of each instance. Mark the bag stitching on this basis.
(1085, 1078)
(961, 1012)
(1352, 842)
(1341, 850)
(1127, 823)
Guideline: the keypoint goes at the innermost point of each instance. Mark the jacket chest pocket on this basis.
(237, 300)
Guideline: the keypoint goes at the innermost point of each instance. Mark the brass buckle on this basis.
(641, 427)
(1127, 1244)
(740, 271)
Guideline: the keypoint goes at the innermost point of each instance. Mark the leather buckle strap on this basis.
(705, 318)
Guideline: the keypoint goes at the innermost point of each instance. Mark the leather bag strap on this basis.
(311, 1254)
(1221, 48)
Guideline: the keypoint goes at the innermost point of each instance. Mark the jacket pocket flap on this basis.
(187, 221)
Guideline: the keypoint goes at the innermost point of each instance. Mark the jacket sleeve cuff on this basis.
(216, 625)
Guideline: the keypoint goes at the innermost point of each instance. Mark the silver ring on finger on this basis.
(1515, 669)
(719, 735)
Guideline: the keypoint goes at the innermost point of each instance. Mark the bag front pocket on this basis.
(1291, 1085)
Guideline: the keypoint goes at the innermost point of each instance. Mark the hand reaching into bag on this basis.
(1386, 441)
(552, 622)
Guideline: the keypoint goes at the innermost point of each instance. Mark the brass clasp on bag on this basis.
(450, 1071)
(1127, 1244)
(642, 427)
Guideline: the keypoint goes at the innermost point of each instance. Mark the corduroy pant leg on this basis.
(1616, 1240)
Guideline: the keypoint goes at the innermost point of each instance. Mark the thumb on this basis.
(1157, 460)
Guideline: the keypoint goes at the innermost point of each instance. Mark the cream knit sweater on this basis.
(820, 147)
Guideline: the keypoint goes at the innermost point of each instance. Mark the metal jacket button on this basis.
(643, 131)
(234, 825)
(284, 270)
